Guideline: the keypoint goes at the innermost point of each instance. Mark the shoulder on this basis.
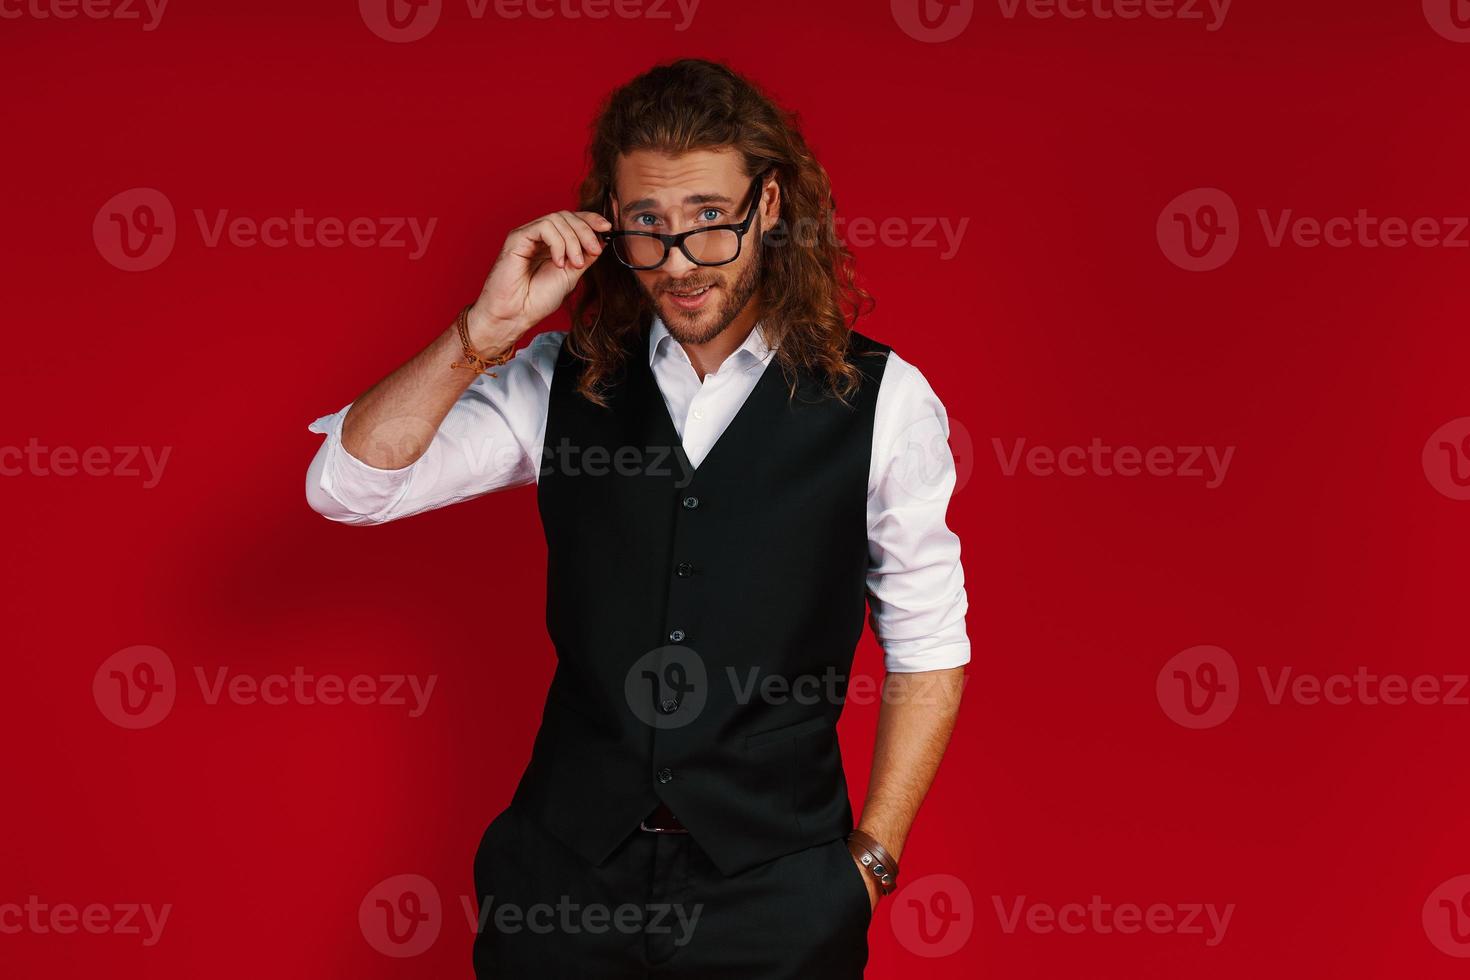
(865, 352)
(869, 356)
(909, 421)
(901, 380)
(906, 398)
(861, 343)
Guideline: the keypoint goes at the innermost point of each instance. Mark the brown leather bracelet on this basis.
(872, 856)
(472, 358)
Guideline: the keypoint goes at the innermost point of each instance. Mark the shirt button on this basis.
(677, 636)
(668, 706)
(665, 775)
(684, 569)
(691, 502)
(699, 414)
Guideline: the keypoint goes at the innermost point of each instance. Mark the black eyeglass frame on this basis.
(671, 242)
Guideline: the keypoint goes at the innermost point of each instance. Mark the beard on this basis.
(703, 325)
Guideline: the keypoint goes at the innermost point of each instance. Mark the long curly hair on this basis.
(808, 290)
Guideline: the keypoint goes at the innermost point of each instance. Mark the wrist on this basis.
(880, 865)
(491, 335)
(888, 833)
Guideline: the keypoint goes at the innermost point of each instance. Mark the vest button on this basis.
(668, 705)
(684, 569)
(691, 502)
(677, 636)
(665, 775)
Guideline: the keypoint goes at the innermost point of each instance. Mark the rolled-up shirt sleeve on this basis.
(490, 440)
(916, 585)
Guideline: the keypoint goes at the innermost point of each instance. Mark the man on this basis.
(725, 474)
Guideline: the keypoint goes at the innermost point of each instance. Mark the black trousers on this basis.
(659, 909)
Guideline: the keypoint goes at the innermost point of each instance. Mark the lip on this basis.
(695, 303)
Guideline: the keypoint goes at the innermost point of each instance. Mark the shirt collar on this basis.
(755, 351)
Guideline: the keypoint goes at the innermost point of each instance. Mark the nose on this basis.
(677, 265)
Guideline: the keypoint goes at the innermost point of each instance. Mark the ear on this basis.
(770, 202)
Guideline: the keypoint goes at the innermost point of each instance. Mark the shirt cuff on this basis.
(912, 656)
(361, 493)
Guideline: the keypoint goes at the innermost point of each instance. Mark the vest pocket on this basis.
(820, 797)
(788, 732)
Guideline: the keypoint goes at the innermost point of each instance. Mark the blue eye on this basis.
(640, 217)
(714, 214)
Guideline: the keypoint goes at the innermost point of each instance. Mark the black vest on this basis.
(704, 620)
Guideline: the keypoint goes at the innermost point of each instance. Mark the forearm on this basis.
(392, 424)
(915, 720)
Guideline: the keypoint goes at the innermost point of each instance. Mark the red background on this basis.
(1326, 547)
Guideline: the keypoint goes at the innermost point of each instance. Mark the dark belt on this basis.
(662, 821)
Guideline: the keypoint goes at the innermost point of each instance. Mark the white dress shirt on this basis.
(492, 440)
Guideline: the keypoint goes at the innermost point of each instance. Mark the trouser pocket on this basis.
(852, 885)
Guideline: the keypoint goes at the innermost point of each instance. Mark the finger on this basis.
(590, 245)
(550, 235)
(594, 219)
(527, 240)
(596, 222)
(569, 236)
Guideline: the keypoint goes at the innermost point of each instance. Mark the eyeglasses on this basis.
(711, 245)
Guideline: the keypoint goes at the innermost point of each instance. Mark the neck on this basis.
(709, 355)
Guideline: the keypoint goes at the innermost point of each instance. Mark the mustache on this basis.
(685, 287)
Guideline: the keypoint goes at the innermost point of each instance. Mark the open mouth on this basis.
(692, 299)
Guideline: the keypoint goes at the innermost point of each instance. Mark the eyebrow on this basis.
(648, 202)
